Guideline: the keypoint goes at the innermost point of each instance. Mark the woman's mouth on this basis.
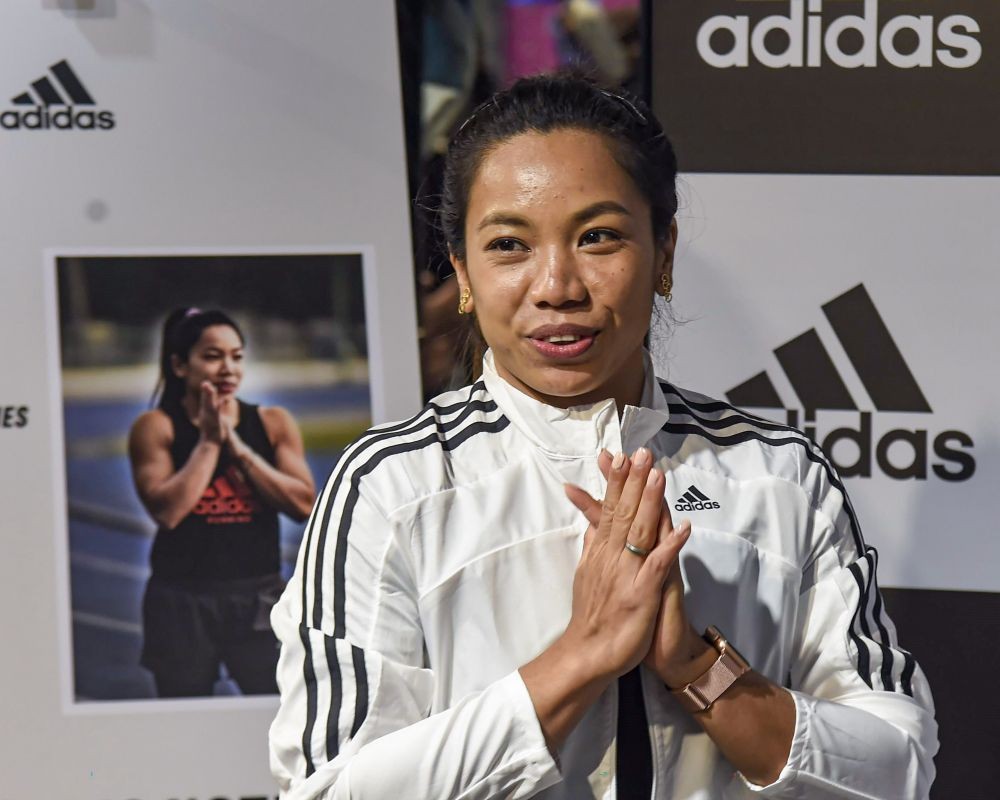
(563, 344)
(225, 387)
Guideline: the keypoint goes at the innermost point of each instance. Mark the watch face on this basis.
(723, 645)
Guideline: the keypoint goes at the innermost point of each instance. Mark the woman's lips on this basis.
(225, 388)
(563, 351)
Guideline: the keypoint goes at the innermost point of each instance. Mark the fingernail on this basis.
(684, 528)
(618, 460)
(642, 457)
(652, 477)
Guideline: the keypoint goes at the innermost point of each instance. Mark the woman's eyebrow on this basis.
(583, 215)
(598, 208)
(503, 218)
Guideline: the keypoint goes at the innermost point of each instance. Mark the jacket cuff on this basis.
(539, 764)
(783, 786)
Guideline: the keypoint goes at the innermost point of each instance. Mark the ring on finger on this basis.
(642, 552)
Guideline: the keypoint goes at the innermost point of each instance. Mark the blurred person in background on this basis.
(214, 472)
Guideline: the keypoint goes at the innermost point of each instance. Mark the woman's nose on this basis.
(557, 279)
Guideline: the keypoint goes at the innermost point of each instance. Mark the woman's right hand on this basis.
(617, 593)
(210, 420)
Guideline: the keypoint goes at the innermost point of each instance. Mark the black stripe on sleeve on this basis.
(865, 588)
(361, 698)
(377, 436)
(909, 666)
(340, 559)
(908, 663)
(308, 669)
(309, 679)
(336, 698)
(863, 655)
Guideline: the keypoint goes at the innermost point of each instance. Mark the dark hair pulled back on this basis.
(181, 331)
(546, 103)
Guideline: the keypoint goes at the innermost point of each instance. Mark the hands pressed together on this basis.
(629, 608)
(217, 420)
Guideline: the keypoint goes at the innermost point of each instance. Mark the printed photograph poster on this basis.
(265, 355)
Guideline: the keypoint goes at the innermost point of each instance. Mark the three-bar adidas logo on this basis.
(694, 500)
(57, 101)
(886, 379)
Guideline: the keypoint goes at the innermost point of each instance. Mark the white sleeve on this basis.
(864, 723)
(356, 693)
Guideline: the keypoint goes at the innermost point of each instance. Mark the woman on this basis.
(460, 625)
(214, 472)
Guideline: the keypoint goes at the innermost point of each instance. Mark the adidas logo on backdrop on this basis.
(694, 500)
(806, 37)
(888, 382)
(56, 101)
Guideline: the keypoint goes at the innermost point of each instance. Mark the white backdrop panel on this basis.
(760, 254)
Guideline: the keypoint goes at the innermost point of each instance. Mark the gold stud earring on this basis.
(463, 300)
(665, 286)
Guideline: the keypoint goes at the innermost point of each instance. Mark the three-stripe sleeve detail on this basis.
(342, 492)
(865, 621)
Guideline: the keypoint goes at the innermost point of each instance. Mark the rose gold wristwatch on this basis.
(709, 686)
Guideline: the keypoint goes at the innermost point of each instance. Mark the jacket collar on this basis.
(580, 430)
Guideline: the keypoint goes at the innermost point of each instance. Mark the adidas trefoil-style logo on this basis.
(694, 500)
(57, 101)
(885, 377)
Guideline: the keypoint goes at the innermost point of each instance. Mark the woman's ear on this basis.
(665, 255)
(180, 368)
(466, 304)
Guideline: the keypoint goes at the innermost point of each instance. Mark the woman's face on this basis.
(217, 357)
(562, 265)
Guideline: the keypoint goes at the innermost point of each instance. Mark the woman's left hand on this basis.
(676, 648)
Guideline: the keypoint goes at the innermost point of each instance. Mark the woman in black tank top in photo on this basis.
(214, 472)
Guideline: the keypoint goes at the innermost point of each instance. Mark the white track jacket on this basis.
(440, 558)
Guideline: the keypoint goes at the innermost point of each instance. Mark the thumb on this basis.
(590, 507)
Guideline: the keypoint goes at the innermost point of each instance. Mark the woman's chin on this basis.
(570, 388)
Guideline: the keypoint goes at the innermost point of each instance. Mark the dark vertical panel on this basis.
(954, 636)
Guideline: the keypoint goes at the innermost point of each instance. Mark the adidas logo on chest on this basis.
(695, 500)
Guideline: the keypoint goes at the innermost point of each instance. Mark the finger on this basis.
(644, 530)
(604, 459)
(666, 521)
(590, 507)
(211, 395)
(658, 564)
(631, 495)
(620, 466)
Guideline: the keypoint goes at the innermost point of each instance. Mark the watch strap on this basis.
(713, 682)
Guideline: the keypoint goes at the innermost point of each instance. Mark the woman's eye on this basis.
(506, 245)
(599, 236)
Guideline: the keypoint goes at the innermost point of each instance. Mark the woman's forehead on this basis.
(564, 167)
(219, 336)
